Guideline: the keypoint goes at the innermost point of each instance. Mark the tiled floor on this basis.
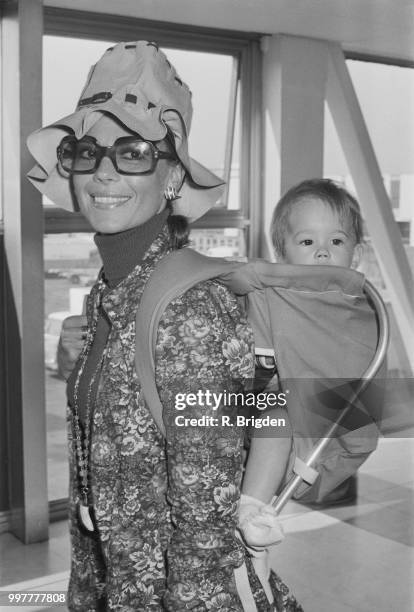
(356, 558)
(35, 567)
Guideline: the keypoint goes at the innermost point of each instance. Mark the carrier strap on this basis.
(174, 275)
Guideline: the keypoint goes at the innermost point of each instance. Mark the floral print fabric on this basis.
(204, 462)
(165, 510)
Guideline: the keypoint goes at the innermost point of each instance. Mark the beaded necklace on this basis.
(82, 439)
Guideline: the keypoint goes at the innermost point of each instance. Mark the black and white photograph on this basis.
(207, 305)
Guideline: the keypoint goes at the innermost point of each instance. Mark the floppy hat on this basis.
(135, 83)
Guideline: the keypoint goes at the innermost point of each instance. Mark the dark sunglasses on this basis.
(129, 155)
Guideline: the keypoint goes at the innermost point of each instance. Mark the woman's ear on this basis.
(173, 183)
(176, 177)
(357, 256)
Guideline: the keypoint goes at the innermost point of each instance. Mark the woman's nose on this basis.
(106, 171)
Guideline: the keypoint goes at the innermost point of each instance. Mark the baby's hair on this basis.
(326, 190)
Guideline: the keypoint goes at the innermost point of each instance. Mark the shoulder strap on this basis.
(174, 275)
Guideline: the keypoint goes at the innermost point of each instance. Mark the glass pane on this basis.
(227, 242)
(202, 72)
(71, 265)
(66, 62)
(386, 97)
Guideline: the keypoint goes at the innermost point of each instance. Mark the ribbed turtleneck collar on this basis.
(122, 252)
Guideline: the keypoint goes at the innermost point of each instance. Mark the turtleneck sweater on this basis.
(120, 254)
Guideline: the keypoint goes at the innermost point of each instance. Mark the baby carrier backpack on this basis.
(323, 332)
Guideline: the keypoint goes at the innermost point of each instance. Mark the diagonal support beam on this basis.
(376, 207)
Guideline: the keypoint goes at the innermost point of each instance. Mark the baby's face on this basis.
(317, 235)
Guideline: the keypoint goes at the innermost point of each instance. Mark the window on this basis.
(71, 265)
(228, 242)
(213, 67)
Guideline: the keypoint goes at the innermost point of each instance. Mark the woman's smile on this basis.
(109, 201)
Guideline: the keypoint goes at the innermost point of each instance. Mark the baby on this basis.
(317, 222)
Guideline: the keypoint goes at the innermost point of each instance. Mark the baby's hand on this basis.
(259, 528)
(258, 524)
(72, 338)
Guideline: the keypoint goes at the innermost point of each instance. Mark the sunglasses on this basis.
(129, 155)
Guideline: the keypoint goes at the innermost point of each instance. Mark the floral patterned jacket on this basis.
(163, 504)
(165, 509)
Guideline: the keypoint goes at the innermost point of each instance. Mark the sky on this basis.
(385, 93)
(386, 98)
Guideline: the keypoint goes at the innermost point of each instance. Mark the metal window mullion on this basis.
(58, 221)
(21, 57)
(101, 26)
(251, 147)
(231, 122)
(256, 204)
(377, 59)
(220, 219)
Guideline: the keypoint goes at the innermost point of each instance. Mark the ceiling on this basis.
(384, 28)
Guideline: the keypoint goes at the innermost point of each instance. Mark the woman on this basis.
(152, 520)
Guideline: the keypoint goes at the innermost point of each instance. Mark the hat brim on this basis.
(200, 194)
(201, 190)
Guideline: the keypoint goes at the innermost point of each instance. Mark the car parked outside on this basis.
(53, 327)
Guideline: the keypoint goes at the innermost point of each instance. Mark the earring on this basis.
(171, 194)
